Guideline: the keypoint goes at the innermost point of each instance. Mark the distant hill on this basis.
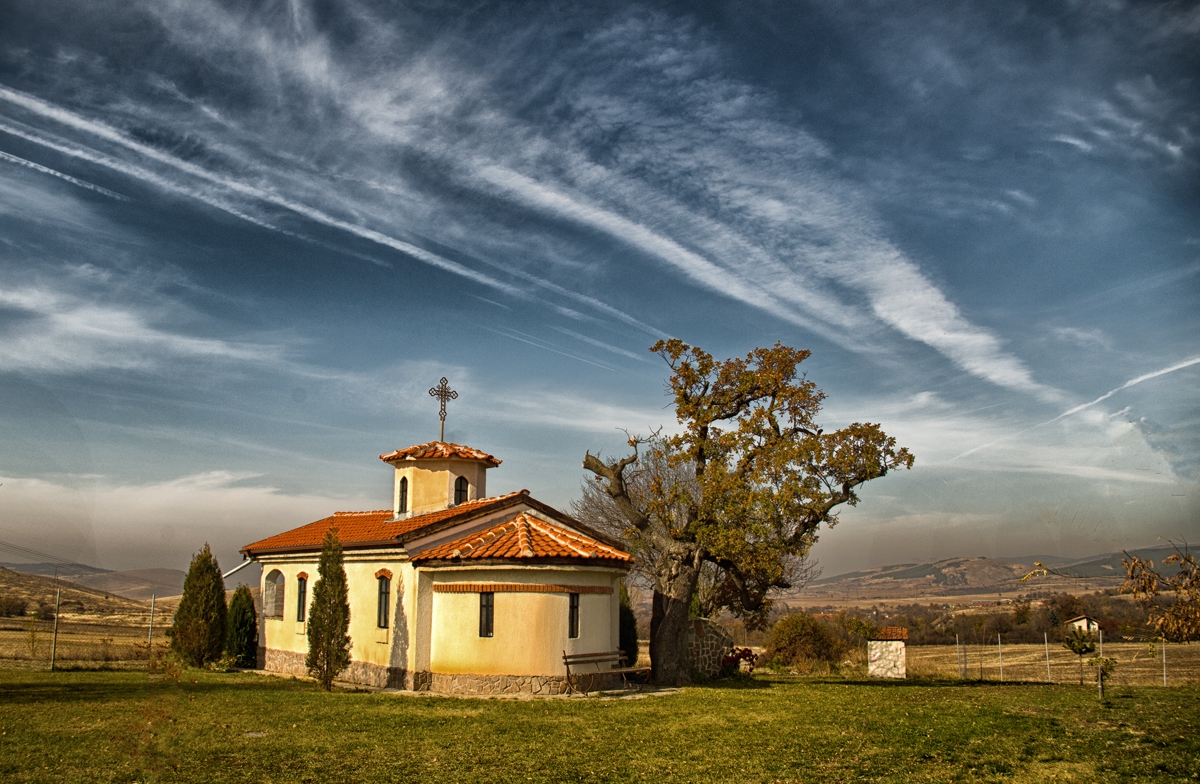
(37, 589)
(69, 570)
(978, 576)
(137, 583)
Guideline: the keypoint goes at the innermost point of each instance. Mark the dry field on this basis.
(1135, 664)
(86, 641)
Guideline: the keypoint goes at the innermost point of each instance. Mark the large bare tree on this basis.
(744, 486)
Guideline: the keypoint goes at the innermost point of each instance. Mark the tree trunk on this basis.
(675, 577)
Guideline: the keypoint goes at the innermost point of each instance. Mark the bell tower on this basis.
(437, 475)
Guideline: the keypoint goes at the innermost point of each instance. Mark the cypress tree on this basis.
(198, 633)
(241, 640)
(627, 629)
(329, 616)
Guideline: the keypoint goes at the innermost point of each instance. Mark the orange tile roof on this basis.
(525, 537)
(378, 527)
(440, 450)
(892, 633)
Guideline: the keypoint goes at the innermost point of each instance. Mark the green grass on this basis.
(124, 726)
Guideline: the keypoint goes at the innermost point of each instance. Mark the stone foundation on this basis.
(886, 659)
(376, 675)
(708, 645)
(543, 685)
(287, 662)
(383, 677)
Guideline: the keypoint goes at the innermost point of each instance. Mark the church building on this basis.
(450, 590)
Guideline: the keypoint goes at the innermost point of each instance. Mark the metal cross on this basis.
(443, 392)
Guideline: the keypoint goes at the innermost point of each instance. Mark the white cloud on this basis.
(61, 332)
(129, 526)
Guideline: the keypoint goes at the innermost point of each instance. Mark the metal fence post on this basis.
(1164, 647)
(1046, 642)
(54, 640)
(1101, 642)
(150, 636)
(1000, 651)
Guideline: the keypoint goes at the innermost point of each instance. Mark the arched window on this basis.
(273, 594)
(385, 601)
(402, 503)
(460, 490)
(301, 598)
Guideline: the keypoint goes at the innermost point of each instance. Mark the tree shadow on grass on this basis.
(70, 687)
(900, 683)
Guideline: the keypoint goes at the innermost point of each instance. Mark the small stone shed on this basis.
(885, 653)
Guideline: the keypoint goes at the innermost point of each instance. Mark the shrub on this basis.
(11, 606)
(329, 618)
(241, 640)
(627, 629)
(799, 640)
(198, 633)
(732, 663)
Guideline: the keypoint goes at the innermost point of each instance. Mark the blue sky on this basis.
(239, 241)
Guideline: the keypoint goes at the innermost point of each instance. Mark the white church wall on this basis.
(530, 630)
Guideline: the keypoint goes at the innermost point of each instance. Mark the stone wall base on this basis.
(287, 662)
(379, 676)
(383, 677)
(498, 684)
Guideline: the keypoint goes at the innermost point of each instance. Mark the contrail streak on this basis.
(54, 173)
(1131, 382)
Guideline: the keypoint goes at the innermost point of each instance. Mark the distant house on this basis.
(1083, 622)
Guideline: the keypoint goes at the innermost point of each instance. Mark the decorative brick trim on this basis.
(518, 588)
(384, 573)
(301, 575)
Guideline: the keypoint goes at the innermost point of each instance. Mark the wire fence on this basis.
(1137, 663)
(73, 640)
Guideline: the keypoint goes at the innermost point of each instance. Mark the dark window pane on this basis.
(487, 612)
(385, 600)
(573, 625)
(301, 598)
(460, 490)
(403, 505)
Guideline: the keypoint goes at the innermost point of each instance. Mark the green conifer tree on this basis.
(329, 616)
(241, 640)
(198, 633)
(627, 629)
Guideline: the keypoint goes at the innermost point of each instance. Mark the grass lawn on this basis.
(211, 727)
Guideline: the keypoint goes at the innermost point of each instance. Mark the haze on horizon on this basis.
(240, 240)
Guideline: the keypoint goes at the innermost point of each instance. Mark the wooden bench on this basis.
(585, 681)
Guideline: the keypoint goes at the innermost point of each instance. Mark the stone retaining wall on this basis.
(708, 644)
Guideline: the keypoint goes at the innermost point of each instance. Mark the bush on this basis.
(627, 630)
(241, 641)
(329, 616)
(11, 606)
(801, 641)
(198, 634)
